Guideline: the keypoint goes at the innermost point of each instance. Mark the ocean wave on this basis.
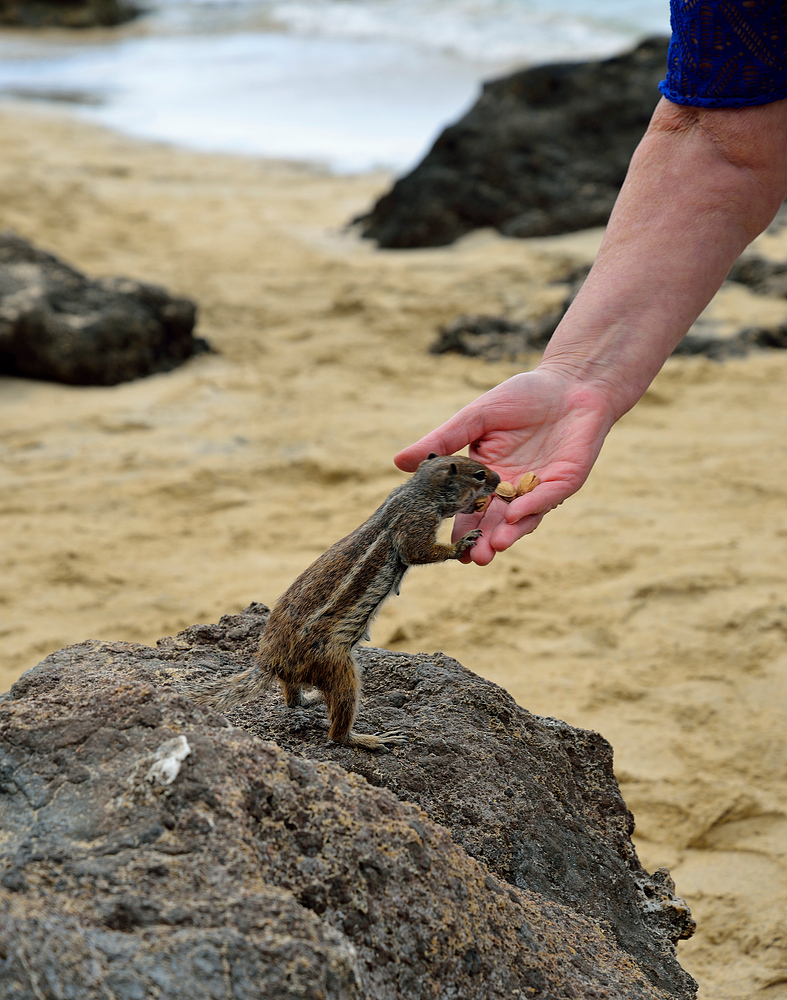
(485, 31)
(351, 85)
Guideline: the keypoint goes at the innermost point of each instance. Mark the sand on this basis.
(651, 607)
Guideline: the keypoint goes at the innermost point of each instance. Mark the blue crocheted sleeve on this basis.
(727, 53)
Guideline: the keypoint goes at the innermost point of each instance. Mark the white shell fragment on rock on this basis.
(167, 760)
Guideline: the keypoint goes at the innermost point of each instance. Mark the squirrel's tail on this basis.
(226, 694)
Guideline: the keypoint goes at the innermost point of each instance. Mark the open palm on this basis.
(539, 421)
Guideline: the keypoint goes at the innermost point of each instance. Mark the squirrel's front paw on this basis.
(468, 541)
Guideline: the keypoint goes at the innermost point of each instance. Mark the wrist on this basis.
(613, 359)
(698, 189)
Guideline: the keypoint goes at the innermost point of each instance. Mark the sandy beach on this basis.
(652, 607)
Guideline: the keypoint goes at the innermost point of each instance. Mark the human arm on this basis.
(701, 185)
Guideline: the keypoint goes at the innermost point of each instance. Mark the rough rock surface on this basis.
(497, 338)
(543, 151)
(66, 13)
(56, 324)
(766, 277)
(149, 849)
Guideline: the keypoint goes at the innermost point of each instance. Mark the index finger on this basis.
(462, 429)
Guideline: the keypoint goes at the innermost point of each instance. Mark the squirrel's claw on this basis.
(394, 736)
(382, 741)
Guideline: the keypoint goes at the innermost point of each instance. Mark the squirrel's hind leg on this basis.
(295, 697)
(342, 701)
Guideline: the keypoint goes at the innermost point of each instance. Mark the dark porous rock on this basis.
(497, 338)
(150, 849)
(543, 151)
(66, 13)
(56, 324)
(765, 277)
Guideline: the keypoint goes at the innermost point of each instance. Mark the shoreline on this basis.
(650, 607)
(355, 91)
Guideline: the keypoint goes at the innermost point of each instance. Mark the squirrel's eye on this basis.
(480, 475)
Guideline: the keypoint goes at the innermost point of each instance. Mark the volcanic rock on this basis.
(57, 324)
(498, 338)
(152, 849)
(542, 151)
(66, 13)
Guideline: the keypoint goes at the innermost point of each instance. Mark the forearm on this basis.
(701, 186)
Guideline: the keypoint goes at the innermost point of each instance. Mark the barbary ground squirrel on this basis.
(310, 635)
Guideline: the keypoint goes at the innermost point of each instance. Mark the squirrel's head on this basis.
(455, 483)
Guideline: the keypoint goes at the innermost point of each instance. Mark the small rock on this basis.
(497, 338)
(66, 13)
(57, 324)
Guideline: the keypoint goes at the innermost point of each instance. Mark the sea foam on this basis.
(349, 85)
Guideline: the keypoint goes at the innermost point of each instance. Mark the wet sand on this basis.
(651, 607)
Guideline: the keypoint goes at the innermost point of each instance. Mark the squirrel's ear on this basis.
(431, 455)
(453, 468)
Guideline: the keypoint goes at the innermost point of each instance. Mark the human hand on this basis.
(540, 421)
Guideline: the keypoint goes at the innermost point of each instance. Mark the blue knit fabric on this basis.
(727, 53)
